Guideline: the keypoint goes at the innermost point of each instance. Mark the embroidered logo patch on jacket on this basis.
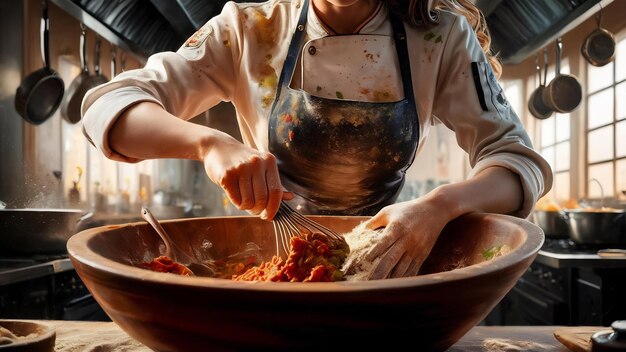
(198, 38)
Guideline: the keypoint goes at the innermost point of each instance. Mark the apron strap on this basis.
(402, 49)
(289, 65)
(399, 35)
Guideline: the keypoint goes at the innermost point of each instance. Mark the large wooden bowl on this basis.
(432, 311)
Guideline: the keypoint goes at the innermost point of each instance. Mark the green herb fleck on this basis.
(428, 36)
(339, 95)
(318, 88)
(492, 252)
(438, 39)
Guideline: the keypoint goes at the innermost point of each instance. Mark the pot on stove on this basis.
(606, 226)
(551, 222)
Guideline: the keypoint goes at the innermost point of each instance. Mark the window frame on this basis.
(586, 131)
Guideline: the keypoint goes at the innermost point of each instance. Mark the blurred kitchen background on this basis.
(51, 165)
(41, 165)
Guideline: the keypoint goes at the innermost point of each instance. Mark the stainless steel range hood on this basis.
(519, 28)
(143, 27)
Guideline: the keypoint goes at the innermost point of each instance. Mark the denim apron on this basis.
(342, 157)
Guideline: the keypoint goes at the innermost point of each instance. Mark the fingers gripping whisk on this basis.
(289, 223)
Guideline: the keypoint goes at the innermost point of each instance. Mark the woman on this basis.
(333, 100)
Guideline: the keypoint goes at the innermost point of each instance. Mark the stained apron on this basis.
(342, 157)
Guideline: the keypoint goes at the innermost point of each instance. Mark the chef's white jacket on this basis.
(238, 56)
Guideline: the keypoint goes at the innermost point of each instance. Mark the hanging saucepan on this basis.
(70, 110)
(41, 92)
(564, 93)
(599, 46)
(536, 106)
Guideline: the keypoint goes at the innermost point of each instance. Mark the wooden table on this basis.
(107, 336)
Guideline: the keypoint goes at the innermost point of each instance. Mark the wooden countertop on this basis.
(107, 336)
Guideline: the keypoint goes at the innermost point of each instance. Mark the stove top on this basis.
(567, 246)
(10, 262)
(559, 253)
(15, 268)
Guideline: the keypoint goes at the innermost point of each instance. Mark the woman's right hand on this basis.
(249, 177)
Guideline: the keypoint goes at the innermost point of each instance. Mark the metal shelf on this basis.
(102, 29)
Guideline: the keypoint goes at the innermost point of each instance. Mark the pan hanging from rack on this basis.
(564, 93)
(39, 95)
(536, 105)
(599, 46)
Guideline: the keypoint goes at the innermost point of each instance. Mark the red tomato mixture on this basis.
(312, 258)
(223, 269)
(164, 264)
(226, 269)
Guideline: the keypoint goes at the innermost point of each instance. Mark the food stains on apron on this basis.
(342, 157)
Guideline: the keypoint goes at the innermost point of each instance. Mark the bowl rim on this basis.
(79, 253)
(47, 333)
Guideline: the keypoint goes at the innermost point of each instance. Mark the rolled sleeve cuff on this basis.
(530, 176)
(104, 111)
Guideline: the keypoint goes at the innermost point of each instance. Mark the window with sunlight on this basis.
(605, 127)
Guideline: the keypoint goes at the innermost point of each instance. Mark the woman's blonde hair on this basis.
(425, 14)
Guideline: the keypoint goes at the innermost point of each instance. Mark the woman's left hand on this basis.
(410, 231)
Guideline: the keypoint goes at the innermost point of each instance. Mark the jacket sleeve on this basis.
(470, 101)
(185, 83)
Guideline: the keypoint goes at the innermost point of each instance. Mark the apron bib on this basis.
(342, 157)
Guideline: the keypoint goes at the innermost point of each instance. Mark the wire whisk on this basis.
(289, 223)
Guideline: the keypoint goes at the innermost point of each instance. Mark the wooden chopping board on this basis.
(577, 338)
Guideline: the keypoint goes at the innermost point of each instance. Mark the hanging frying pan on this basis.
(113, 62)
(123, 61)
(41, 92)
(564, 93)
(93, 80)
(97, 78)
(536, 106)
(599, 46)
(70, 110)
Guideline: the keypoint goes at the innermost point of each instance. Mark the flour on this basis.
(95, 337)
(506, 345)
(360, 240)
